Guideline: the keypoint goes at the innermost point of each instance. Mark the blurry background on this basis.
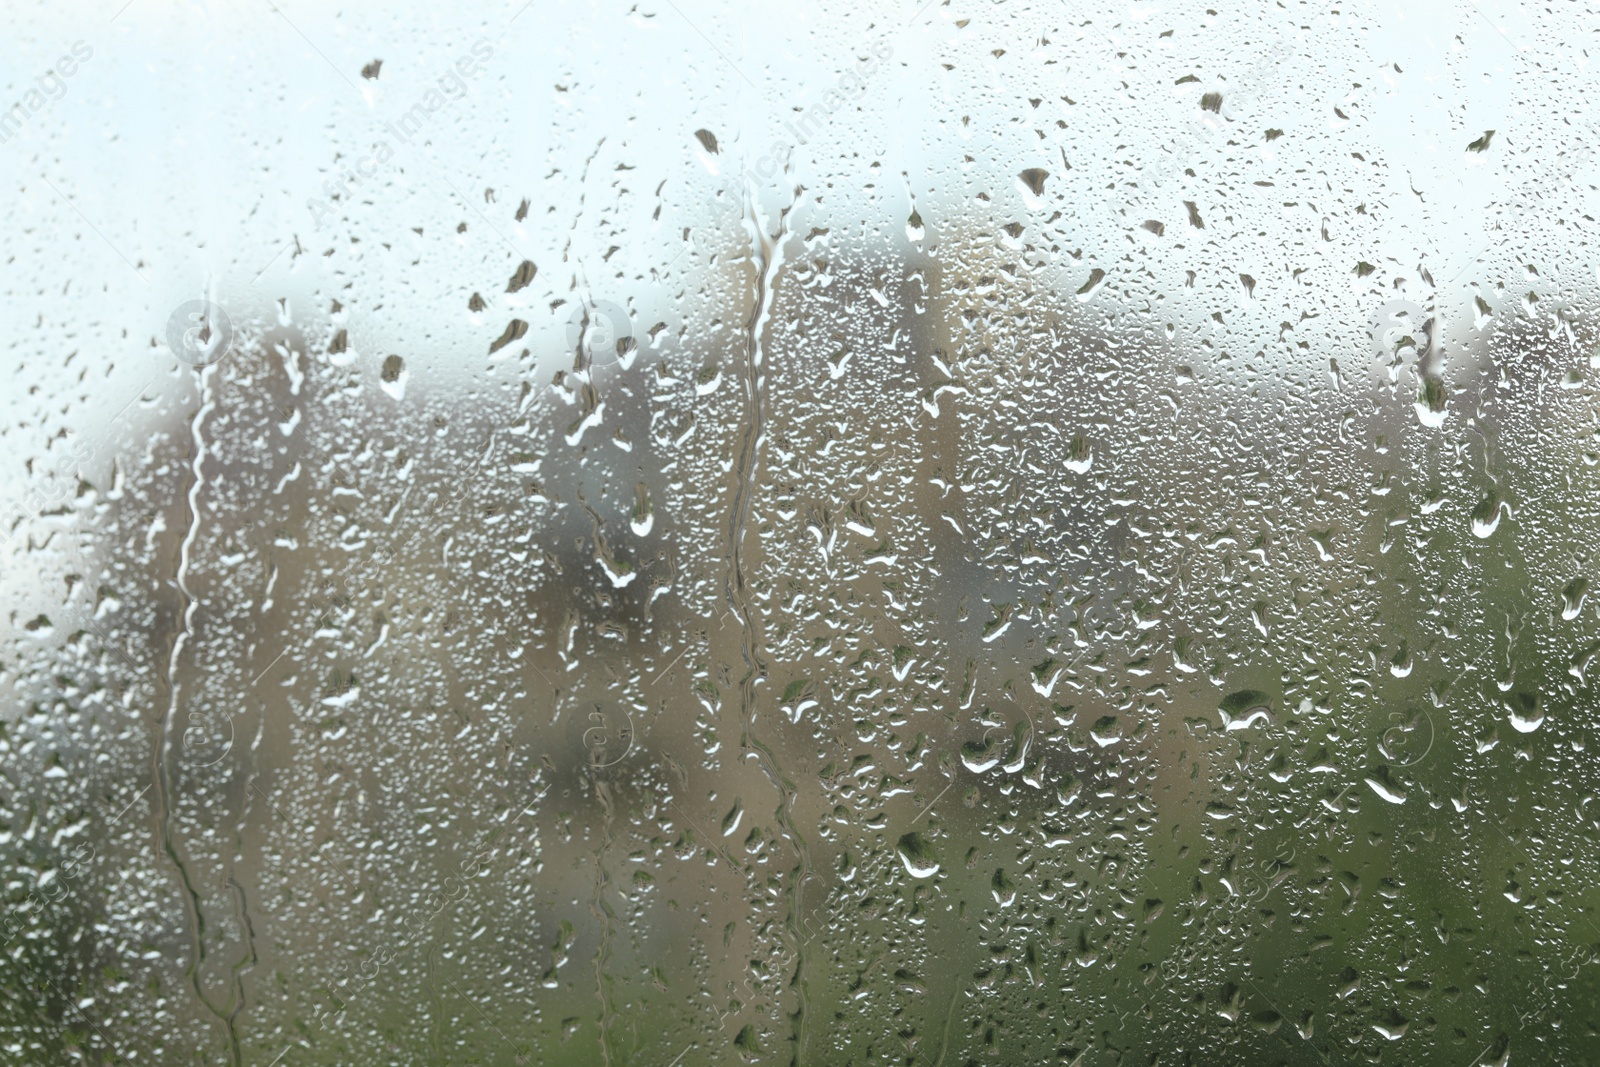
(853, 534)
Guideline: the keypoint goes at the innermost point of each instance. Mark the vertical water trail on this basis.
(603, 915)
(166, 774)
(767, 255)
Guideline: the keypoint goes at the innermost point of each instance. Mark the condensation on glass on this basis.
(997, 533)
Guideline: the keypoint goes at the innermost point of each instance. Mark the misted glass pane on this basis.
(693, 533)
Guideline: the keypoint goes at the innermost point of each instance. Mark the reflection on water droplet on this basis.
(914, 227)
(1486, 516)
(916, 853)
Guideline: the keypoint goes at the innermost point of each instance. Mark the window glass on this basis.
(952, 533)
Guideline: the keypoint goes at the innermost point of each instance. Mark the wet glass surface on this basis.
(954, 533)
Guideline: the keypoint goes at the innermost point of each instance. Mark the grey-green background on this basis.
(992, 534)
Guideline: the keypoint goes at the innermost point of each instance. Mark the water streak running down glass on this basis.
(954, 533)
